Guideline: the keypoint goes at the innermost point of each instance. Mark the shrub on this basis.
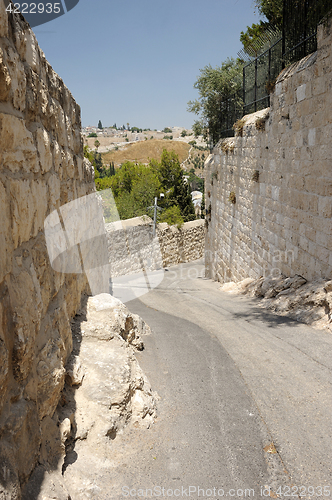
(232, 197)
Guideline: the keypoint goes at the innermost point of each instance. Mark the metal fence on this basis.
(300, 21)
(259, 76)
(299, 38)
(231, 110)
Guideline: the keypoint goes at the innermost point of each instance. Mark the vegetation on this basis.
(135, 186)
(272, 10)
(92, 134)
(196, 183)
(100, 126)
(167, 130)
(143, 151)
(214, 85)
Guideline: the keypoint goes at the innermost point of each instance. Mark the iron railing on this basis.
(231, 110)
(259, 76)
(299, 32)
(299, 38)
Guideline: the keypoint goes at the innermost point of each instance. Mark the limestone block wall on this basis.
(41, 168)
(269, 191)
(132, 245)
(181, 245)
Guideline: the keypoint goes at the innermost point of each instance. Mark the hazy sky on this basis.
(137, 61)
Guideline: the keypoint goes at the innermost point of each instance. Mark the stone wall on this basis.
(132, 246)
(269, 191)
(41, 168)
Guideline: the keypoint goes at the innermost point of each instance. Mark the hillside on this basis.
(143, 151)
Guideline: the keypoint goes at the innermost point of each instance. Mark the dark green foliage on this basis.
(214, 86)
(171, 177)
(172, 216)
(111, 169)
(196, 183)
(93, 134)
(272, 10)
(100, 126)
(135, 186)
(167, 130)
(203, 206)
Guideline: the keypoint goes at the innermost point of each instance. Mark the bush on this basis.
(93, 134)
(172, 216)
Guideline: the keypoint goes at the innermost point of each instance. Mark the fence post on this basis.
(283, 34)
(244, 90)
(255, 84)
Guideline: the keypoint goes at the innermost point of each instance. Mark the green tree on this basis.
(172, 216)
(112, 169)
(92, 134)
(253, 39)
(100, 126)
(98, 164)
(183, 133)
(97, 144)
(171, 178)
(214, 85)
(272, 10)
(203, 206)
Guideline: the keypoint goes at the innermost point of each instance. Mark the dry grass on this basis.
(260, 123)
(143, 151)
(232, 197)
(255, 176)
(227, 147)
(238, 126)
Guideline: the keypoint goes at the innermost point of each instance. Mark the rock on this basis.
(307, 302)
(108, 317)
(113, 394)
(45, 485)
(74, 371)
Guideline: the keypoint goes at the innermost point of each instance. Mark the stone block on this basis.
(319, 85)
(6, 242)
(44, 150)
(18, 79)
(301, 92)
(3, 20)
(51, 375)
(5, 79)
(17, 148)
(54, 188)
(25, 302)
(325, 206)
(23, 210)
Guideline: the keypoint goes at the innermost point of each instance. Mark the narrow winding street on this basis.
(245, 399)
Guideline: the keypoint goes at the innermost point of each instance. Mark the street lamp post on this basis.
(155, 213)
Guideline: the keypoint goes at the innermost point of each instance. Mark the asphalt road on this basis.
(235, 384)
